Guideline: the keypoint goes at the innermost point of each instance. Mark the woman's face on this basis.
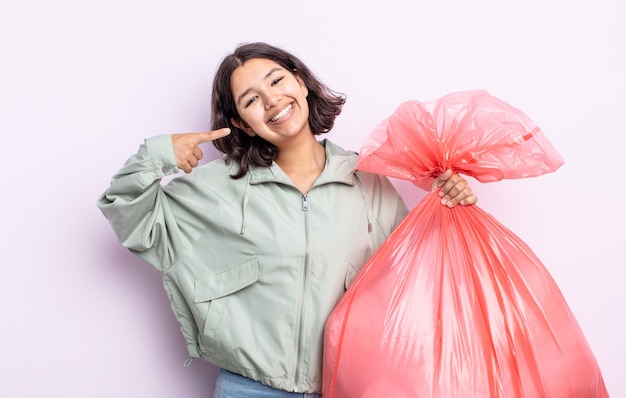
(270, 100)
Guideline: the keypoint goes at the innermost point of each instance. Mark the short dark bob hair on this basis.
(324, 106)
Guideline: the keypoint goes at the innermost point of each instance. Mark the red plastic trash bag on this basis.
(454, 304)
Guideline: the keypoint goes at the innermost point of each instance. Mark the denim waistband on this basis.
(231, 385)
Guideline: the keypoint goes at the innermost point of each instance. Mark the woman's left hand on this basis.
(454, 189)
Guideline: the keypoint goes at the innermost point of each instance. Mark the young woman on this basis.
(257, 247)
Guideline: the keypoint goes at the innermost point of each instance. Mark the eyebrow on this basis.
(266, 76)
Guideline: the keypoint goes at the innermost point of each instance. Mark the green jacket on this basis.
(251, 266)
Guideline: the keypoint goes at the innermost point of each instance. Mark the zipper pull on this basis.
(305, 203)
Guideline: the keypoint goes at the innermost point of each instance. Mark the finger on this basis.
(469, 200)
(197, 153)
(452, 187)
(186, 168)
(441, 179)
(211, 135)
(454, 191)
(464, 197)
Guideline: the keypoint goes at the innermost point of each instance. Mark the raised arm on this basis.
(139, 210)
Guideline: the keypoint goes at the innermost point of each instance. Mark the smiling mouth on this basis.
(282, 113)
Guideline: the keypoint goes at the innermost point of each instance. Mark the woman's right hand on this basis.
(187, 147)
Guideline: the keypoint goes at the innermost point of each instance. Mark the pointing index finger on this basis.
(212, 135)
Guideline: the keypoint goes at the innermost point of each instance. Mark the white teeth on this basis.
(282, 113)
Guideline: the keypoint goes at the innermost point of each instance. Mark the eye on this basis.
(277, 80)
(250, 101)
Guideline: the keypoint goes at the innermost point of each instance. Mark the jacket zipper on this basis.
(305, 210)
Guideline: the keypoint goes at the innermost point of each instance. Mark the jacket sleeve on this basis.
(137, 207)
(387, 205)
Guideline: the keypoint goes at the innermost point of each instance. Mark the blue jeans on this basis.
(231, 385)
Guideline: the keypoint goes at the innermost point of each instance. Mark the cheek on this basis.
(251, 121)
(254, 118)
(247, 116)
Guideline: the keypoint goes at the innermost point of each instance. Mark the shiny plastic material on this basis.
(454, 304)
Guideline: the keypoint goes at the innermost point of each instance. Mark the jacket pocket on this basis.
(221, 293)
(227, 281)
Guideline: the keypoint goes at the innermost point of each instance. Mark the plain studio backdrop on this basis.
(83, 82)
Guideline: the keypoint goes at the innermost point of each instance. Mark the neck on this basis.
(302, 163)
(307, 156)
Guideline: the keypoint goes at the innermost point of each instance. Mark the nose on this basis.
(272, 100)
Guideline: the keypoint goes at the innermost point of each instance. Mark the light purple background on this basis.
(82, 82)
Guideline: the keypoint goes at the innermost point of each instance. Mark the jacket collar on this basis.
(339, 168)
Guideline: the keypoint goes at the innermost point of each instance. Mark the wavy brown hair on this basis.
(324, 106)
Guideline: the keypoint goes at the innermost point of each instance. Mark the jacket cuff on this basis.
(161, 154)
(193, 351)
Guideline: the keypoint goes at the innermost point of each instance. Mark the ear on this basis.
(240, 124)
